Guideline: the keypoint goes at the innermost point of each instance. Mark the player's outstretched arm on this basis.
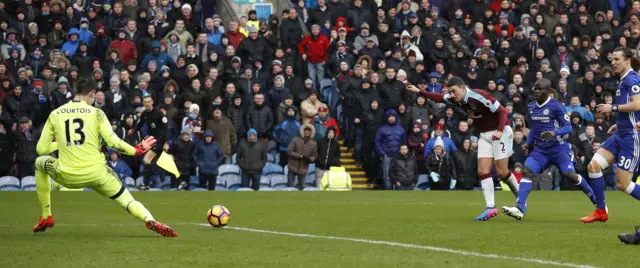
(437, 97)
(46, 145)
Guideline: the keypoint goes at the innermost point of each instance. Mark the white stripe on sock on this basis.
(579, 180)
(595, 175)
(525, 181)
(630, 188)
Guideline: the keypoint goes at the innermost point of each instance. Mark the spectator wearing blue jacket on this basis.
(69, 48)
(575, 106)
(119, 167)
(284, 133)
(449, 145)
(84, 34)
(208, 156)
(161, 58)
(389, 137)
(434, 85)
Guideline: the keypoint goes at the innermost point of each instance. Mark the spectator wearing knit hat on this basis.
(208, 156)
(194, 122)
(322, 122)
(448, 144)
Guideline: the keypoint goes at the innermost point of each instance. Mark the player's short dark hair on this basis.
(85, 85)
(456, 81)
(589, 125)
(543, 84)
(148, 96)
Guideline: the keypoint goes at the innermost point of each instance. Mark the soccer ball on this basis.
(218, 216)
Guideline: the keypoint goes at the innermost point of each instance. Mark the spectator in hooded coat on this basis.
(440, 167)
(223, 131)
(251, 158)
(208, 156)
(388, 140)
(466, 163)
(284, 133)
(328, 154)
(303, 150)
(182, 151)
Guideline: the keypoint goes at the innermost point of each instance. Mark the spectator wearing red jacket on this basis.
(127, 48)
(322, 122)
(235, 36)
(313, 49)
(504, 24)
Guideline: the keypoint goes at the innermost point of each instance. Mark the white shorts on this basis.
(500, 149)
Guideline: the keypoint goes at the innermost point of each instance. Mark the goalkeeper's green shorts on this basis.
(106, 181)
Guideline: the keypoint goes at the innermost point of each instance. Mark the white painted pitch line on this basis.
(414, 246)
(357, 240)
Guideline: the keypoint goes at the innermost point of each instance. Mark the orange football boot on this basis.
(595, 216)
(161, 229)
(44, 224)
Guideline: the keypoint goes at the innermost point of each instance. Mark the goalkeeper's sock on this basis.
(513, 183)
(633, 190)
(134, 207)
(43, 188)
(597, 184)
(523, 194)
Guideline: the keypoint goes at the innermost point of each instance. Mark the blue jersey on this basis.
(549, 116)
(629, 87)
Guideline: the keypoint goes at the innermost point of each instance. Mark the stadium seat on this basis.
(194, 181)
(220, 183)
(155, 189)
(310, 181)
(28, 183)
(198, 189)
(129, 183)
(265, 181)
(233, 159)
(140, 180)
(273, 146)
(278, 181)
(288, 189)
(286, 170)
(267, 189)
(423, 182)
(311, 170)
(228, 169)
(244, 189)
(166, 183)
(9, 183)
(277, 157)
(232, 181)
(272, 169)
(311, 189)
(271, 159)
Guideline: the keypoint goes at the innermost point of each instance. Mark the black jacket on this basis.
(26, 147)
(404, 169)
(290, 33)
(466, 163)
(328, 154)
(251, 156)
(392, 93)
(183, 154)
(261, 119)
(443, 166)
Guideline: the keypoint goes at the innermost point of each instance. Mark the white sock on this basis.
(487, 190)
(630, 188)
(513, 184)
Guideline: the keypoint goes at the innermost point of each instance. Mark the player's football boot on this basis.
(44, 224)
(513, 212)
(599, 214)
(487, 214)
(631, 238)
(143, 187)
(161, 229)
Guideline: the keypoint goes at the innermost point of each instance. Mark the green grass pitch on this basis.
(316, 229)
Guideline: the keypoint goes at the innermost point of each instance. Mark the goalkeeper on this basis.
(75, 131)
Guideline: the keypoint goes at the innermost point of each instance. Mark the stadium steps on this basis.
(358, 180)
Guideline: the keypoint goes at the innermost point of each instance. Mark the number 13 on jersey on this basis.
(77, 124)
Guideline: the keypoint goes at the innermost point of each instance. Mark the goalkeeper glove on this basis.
(144, 146)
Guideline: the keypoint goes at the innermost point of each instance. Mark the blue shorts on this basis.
(626, 149)
(560, 156)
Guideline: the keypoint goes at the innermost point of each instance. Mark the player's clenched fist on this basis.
(145, 145)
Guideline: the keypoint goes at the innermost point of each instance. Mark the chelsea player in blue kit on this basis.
(622, 148)
(549, 123)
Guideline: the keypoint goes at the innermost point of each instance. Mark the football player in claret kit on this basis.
(496, 137)
(78, 129)
(549, 123)
(157, 127)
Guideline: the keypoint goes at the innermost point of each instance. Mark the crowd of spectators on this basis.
(233, 87)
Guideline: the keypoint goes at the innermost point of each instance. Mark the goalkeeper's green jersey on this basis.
(78, 129)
